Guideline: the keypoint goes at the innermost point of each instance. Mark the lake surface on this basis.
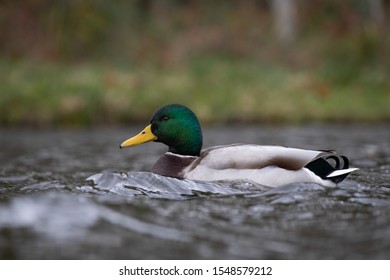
(49, 210)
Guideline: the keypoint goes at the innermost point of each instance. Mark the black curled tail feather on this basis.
(326, 163)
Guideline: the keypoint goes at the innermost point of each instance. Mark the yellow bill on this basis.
(144, 136)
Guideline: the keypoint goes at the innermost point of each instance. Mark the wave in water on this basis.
(157, 186)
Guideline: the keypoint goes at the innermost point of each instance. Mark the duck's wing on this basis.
(243, 156)
(268, 165)
(324, 165)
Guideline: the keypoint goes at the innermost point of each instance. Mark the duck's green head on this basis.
(174, 125)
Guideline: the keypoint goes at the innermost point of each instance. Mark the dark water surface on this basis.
(49, 210)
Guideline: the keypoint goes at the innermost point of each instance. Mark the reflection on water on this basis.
(74, 194)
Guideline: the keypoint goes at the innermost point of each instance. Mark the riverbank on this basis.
(218, 89)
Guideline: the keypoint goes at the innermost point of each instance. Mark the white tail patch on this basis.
(341, 172)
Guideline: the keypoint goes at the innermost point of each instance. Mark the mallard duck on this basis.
(178, 127)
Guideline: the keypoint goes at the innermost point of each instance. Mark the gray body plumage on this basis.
(266, 165)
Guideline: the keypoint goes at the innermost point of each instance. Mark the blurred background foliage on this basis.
(105, 62)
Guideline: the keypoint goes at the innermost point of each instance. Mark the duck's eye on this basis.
(165, 118)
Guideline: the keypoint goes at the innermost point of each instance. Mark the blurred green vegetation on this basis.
(104, 62)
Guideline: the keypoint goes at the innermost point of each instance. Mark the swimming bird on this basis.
(178, 127)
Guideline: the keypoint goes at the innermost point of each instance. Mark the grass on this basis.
(217, 88)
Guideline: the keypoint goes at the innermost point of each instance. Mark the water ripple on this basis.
(64, 217)
(156, 186)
